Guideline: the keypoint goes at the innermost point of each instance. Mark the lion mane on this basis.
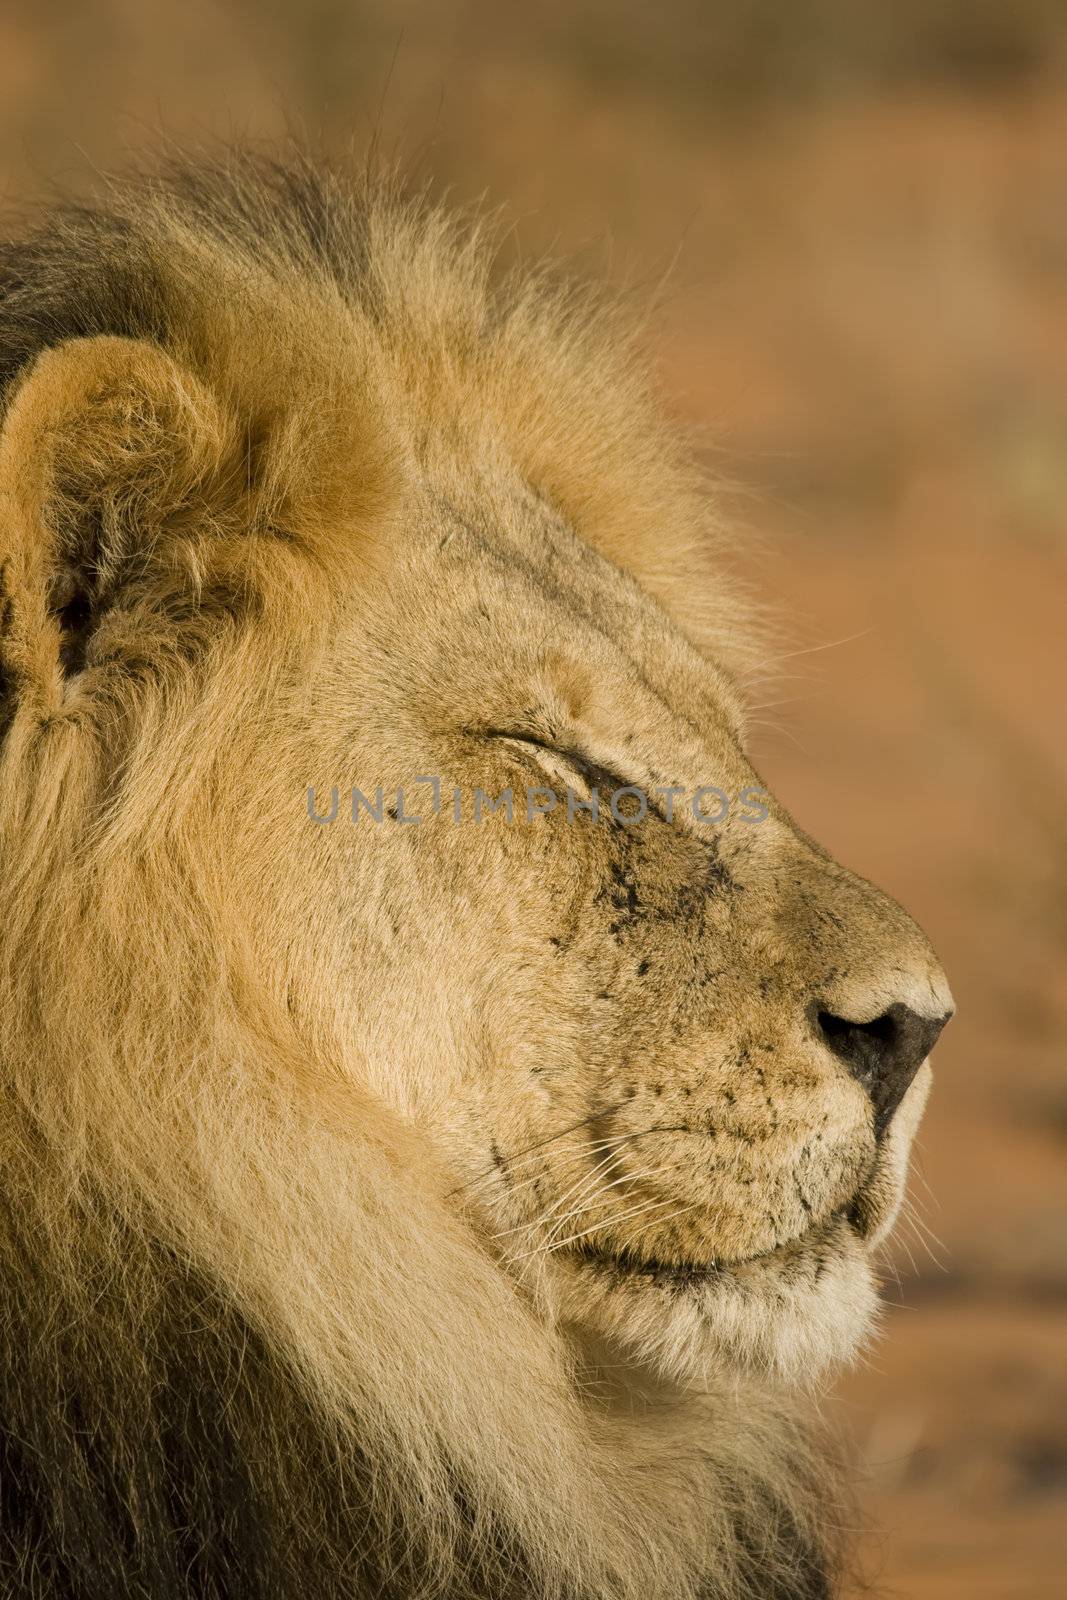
(248, 1348)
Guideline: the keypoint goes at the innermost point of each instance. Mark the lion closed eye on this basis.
(444, 1199)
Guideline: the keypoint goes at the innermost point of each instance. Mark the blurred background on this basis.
(851, 218)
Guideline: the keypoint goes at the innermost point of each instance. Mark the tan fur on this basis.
(369, 1079)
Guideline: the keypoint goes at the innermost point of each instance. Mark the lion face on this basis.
(674, 1065)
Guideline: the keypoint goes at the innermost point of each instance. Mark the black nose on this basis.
(884, 1055)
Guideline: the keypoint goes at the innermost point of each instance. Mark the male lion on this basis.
(390, 1209)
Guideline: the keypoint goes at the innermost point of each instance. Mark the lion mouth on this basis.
(626, 1263)
(862, 1218)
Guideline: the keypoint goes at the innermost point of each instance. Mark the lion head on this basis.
(406, 967)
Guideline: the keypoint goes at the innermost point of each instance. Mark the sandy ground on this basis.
(862, 306)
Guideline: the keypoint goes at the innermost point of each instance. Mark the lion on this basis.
(400, 1199)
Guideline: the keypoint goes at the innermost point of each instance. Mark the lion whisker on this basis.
(581, 1184)
(911, 1259)
(923, 1236)
(591, 1181)
(635, 1211)
(572, 1152)
(665, 1222)
(540, 1144)
(582, 1210)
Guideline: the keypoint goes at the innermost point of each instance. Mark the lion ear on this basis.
(109, 447)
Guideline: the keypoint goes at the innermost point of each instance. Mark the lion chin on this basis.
(450, 1192)
(797, 1311)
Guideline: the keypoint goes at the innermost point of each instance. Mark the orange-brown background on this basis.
(852, 216)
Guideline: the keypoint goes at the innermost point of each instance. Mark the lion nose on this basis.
(883, 1055)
